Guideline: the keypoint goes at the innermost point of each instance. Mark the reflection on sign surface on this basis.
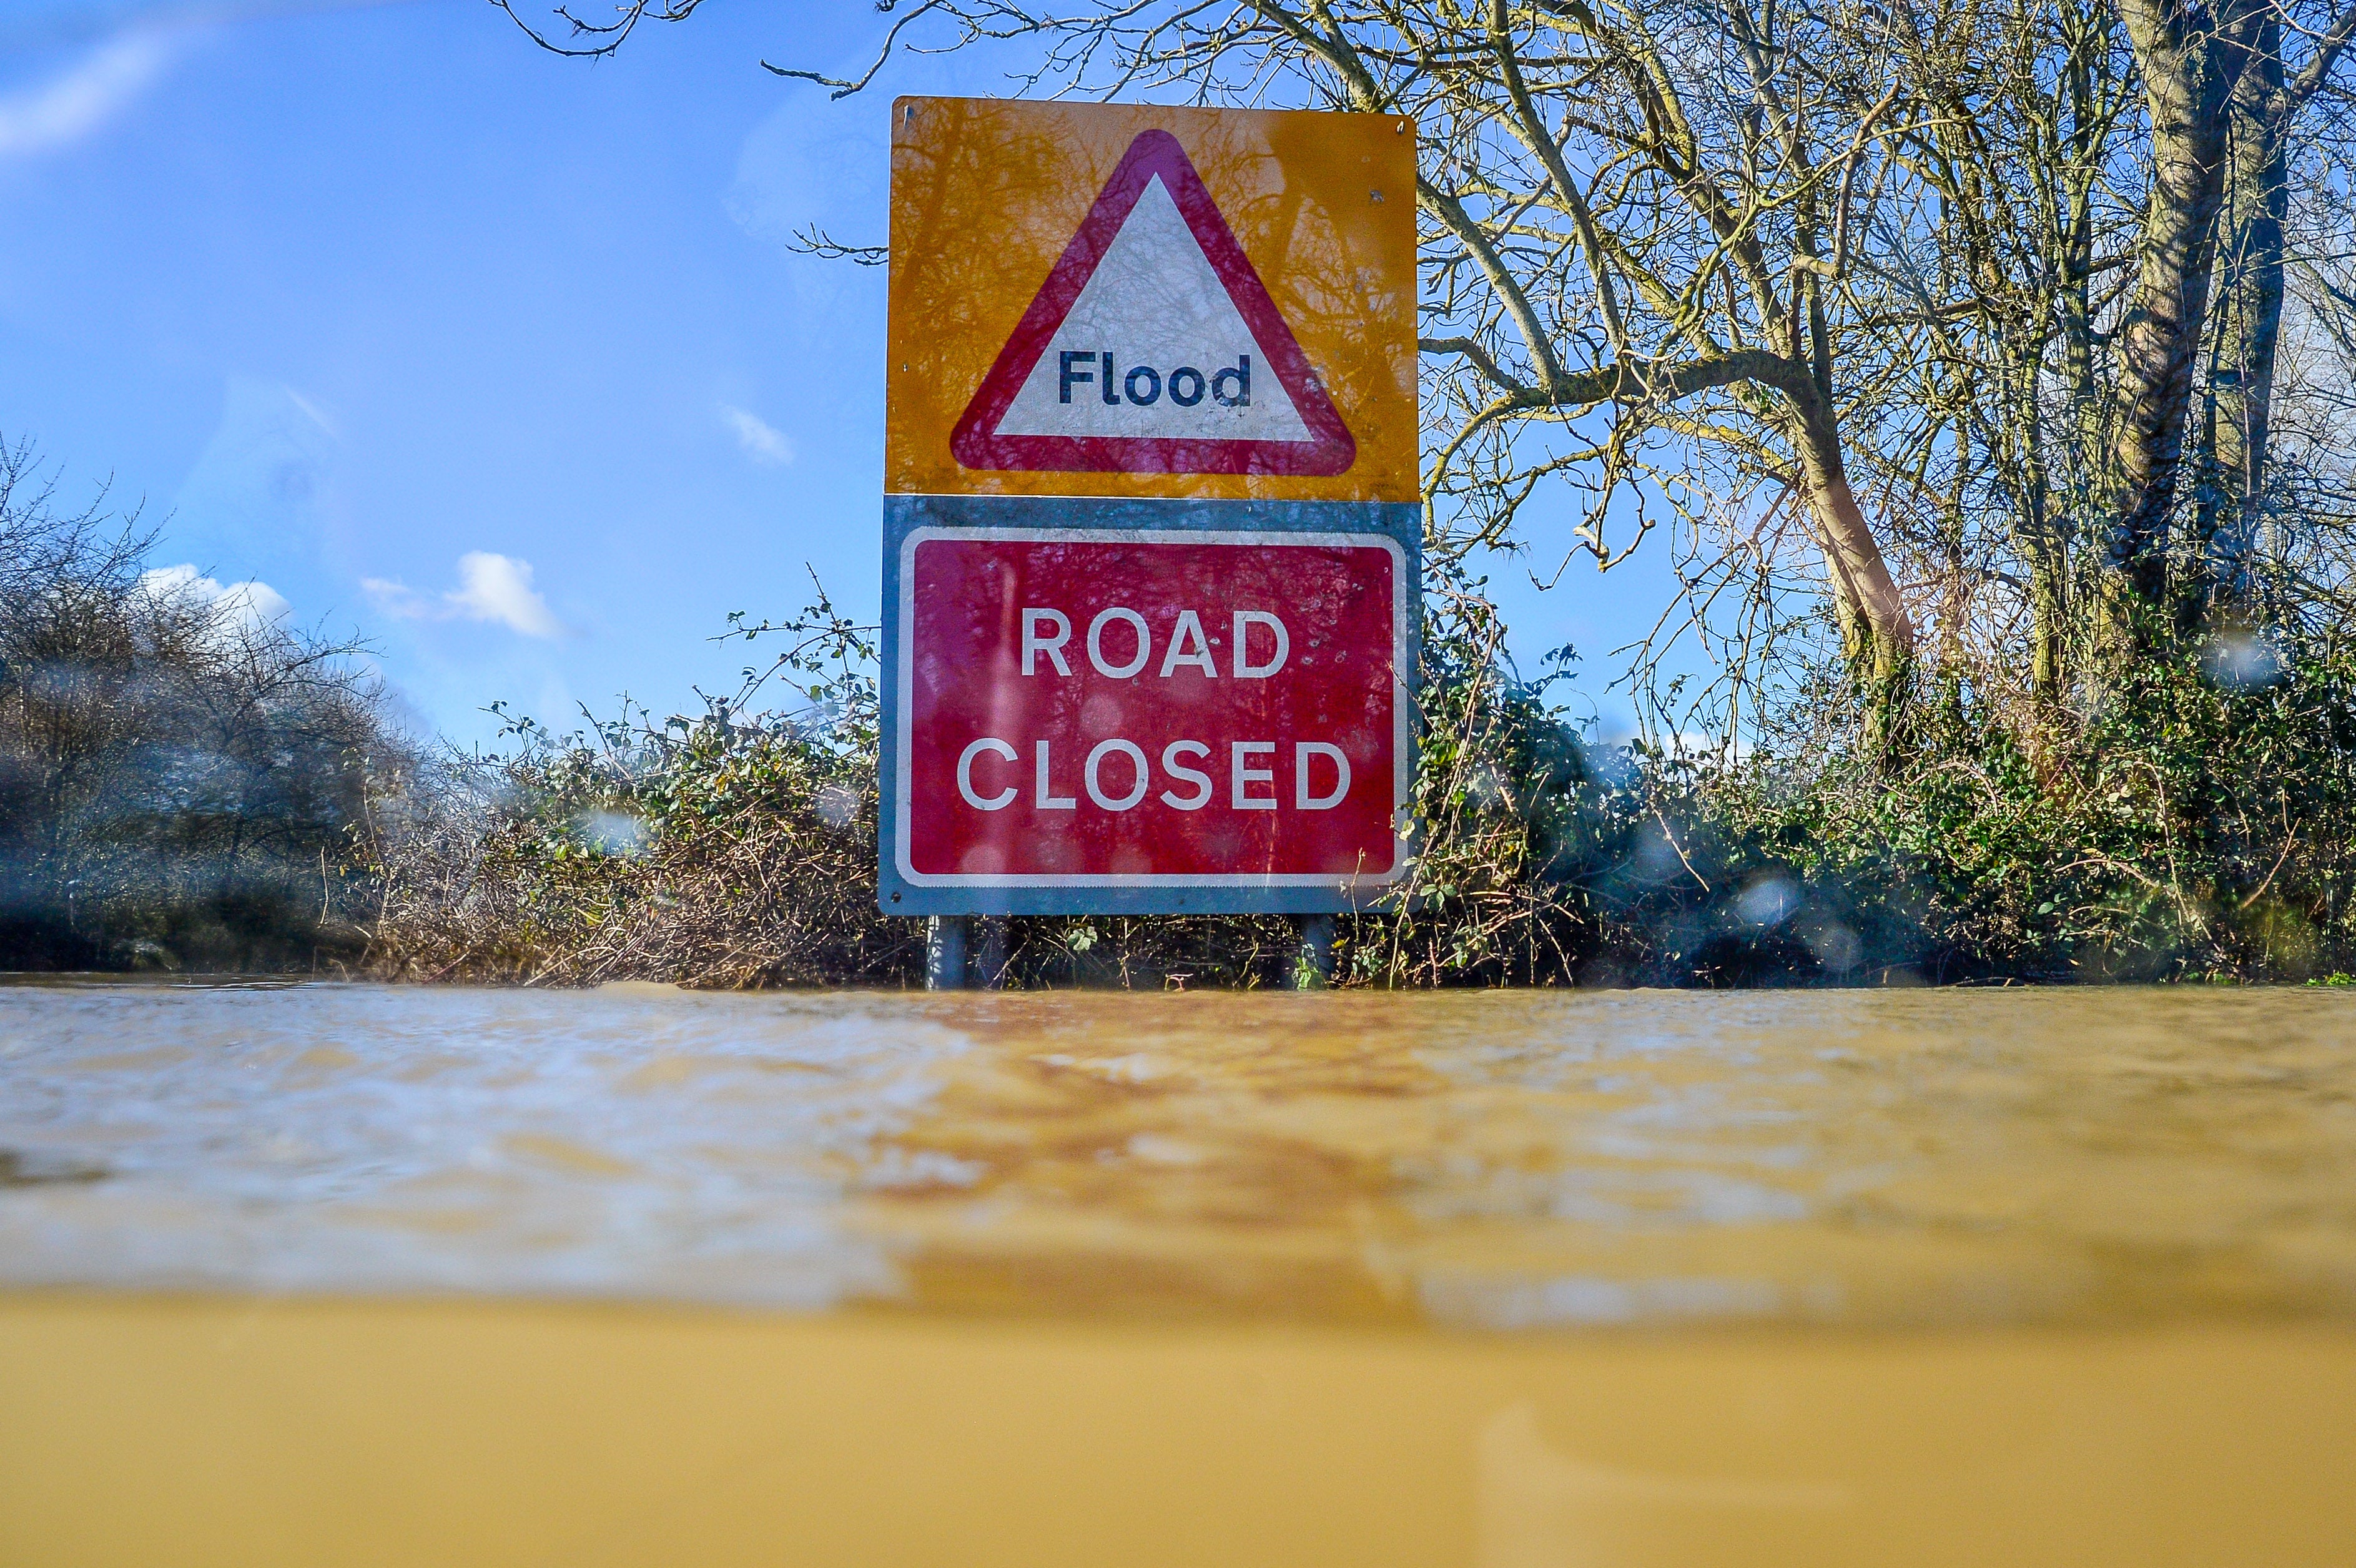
(1109, 709)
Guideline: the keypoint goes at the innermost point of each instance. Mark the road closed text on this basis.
(1135, 708)
(1249, 788)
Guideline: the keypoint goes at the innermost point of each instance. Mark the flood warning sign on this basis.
(1153, 347)
(1151, 517)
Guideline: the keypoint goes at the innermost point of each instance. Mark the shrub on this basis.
(181, 782)
(2195, 822)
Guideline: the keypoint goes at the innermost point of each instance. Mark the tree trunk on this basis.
(2041, 537)
(2249, 328)
(1877, 634)
(2190, 64)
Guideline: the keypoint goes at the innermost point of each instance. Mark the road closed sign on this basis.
(1152, 535)
(1124, 300)
(1119, 718)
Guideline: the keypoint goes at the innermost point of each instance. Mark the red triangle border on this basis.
(976, 443)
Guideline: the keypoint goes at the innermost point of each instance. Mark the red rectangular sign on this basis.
(1137, 708)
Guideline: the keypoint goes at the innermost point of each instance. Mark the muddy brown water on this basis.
(370, 1274)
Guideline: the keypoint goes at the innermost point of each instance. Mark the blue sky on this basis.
(496, 359)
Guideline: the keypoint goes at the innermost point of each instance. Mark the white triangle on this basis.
(1154, 304)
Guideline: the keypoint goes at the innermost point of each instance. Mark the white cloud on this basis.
(254, 603)
(71, 106)
(762, 442)
(499, 587)
(396, 599)
(249, 606)
(491, 587)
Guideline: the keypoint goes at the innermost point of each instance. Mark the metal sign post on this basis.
(1152, 551)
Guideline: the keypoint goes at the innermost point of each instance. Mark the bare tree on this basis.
(1959, 286)
(1639, 224)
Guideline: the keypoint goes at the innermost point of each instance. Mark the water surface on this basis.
(1490, 1161)
(351, 1274)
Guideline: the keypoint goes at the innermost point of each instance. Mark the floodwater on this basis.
(365, 1274)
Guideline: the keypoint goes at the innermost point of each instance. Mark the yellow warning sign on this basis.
(1128, 300)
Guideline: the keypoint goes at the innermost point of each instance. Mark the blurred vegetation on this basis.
(183, 783)
(729, 848)
(2198, 822)
(2197, 826)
